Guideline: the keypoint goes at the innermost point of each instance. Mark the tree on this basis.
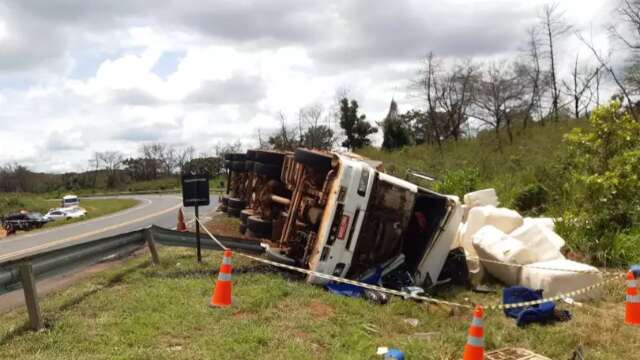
(313, 133)
(112, 160)
(535, 79)
(499, 97)
(355, 126)
(554, 26)
(396, 132)
(579, 88)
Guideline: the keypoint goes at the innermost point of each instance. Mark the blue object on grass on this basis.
(540, 313)
(354, 290)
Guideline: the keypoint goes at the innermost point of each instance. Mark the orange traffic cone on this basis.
(632, 314)
(181, 225)
(474, 349)
(222, 291)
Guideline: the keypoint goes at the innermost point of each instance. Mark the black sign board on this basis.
(195, 190)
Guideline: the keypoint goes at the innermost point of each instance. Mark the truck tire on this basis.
(227, 156)
(236, 203)
(259, 226)
(227, 164)
(268, 170)
(269, 157)
(313, 159)
(249, 165)
(244, 215)
(237, 157)
(238, 166)
(251, 155)
(234, 211)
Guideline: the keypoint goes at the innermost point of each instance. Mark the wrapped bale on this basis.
(536, 236)
(561, 276)
(493, 244)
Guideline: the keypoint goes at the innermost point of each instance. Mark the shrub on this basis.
(459, 182)
(603, 166)
(532, 199)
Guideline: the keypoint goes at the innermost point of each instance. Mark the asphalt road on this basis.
(161, 210)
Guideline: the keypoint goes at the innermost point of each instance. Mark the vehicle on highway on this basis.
(65, 213)
(23, 220)
(69, 201)
(341, 214)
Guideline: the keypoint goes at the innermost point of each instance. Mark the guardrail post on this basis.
(31, 296)
(148, 235)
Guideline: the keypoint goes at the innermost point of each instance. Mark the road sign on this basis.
(195, 190)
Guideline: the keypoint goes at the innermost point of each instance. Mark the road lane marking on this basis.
(35, 249)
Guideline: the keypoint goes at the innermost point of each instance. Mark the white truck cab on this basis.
(364, 218)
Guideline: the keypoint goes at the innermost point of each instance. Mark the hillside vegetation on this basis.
(584, 173)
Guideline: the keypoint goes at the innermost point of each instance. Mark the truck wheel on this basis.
(251, 154)
(259, 226)
(238, 157)
(268, 170)
(313, 159)
(238, 166)
(227, 164)
(234, 211)
(269, 157)
(236, 203)
(244, 215)
(248, 165)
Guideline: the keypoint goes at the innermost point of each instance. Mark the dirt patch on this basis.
(224, 225)
(243, 315)
(320, 310)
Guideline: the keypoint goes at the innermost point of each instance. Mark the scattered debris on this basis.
(525, 315)
(391, 354)
(411, 321)
(513, 354)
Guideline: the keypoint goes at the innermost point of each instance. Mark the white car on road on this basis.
(65, 213)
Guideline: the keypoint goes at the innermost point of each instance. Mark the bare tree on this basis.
(604, 62)
(536, 80)
(579, 88)
(426, 85)
(499, 97)
(111, 160)
(554, 26)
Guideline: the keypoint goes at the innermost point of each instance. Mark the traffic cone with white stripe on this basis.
(474, 349)
(632, 314)
(222, 291)
(181, 225)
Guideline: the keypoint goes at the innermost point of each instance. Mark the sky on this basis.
(80, 76)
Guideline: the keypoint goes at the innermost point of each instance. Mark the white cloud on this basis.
(83, 77)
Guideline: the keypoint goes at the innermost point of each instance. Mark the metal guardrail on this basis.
(25, 268)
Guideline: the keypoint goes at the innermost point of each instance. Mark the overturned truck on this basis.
(340, 214)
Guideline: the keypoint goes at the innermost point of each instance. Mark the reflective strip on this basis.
(224, 277)
(633, 298)
(631, 283)
(475, 341)
(226, 260)
(476, 322)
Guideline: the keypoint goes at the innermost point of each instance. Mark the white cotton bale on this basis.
(457, 240)
(544, 221)
(481, 198)
(492, 244)
(561, 276)
(503, 219)
(544, 243)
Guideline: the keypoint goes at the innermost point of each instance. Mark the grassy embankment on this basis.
(480, 163)
(145, 311)
(13, 202)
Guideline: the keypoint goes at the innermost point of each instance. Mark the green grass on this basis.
(13, 202)
(140, 311)
(508, 169)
